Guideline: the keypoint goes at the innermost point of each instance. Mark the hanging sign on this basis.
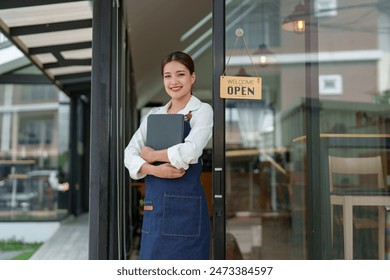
(235, 87)
(239, 87)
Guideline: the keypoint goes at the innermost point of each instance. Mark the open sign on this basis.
(235, 87)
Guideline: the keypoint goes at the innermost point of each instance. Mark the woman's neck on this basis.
(177, 105)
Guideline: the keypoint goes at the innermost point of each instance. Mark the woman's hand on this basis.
(147, 154)
(165, 170)
(150, 155)
(168, 171)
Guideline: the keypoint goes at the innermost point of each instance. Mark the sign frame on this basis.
(239, 87)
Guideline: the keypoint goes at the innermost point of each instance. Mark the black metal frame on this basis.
(42, 28)
(219, 215)
(316, 224)
(107, 236)
(100, 134)
(9, 4)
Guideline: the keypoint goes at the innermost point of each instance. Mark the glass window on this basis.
(34, 159)
(353, 53)
(265, 174)
(328, 92)
(35, 130)
(254, 17)
(38, 94)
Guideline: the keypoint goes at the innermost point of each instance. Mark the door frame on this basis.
(218, 158)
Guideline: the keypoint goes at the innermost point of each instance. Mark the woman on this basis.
(176, 221)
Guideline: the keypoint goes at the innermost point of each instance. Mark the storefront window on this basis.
(34, 158)
(265, 170)
(325, 93)
(354, 46)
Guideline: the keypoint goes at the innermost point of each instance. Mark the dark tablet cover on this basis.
(164, 130)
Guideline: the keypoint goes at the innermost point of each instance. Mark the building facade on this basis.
(324, 67)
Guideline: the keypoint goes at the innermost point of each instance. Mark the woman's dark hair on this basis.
(181, 57)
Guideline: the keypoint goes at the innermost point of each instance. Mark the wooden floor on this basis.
(70, 242)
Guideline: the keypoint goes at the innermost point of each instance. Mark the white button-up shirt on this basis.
(180, 155)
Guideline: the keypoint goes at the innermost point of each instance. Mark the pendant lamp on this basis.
(296, 20)
(266, 56)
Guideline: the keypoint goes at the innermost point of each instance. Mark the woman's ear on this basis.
(193, 78)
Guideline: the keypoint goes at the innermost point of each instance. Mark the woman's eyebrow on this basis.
(178, 71)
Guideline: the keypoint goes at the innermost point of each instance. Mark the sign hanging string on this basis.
(240, 34)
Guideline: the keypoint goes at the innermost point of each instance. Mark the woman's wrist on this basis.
(161, 156)
(147, 169)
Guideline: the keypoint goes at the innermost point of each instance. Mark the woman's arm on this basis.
(138, 158)
(164, 170)
(151, 155)
(132, 159)
(182, 155)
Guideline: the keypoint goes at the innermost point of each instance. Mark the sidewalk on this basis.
(70, 242)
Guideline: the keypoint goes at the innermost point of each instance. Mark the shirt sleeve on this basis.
(182, 155)
(133, 160)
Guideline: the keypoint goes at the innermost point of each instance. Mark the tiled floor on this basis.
(70, 242)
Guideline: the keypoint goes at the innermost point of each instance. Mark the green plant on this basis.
(24, 256)
(26, 249)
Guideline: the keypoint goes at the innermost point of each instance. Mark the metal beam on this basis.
(73, 76)
(11, 4)
(68, 62)
(50, 27)
(83, 88)
(24, 79)
(60, 48)
(75, 80)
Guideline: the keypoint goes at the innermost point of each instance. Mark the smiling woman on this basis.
(176, 221)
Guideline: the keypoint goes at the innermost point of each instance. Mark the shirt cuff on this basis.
(175, 159)
(136, 166)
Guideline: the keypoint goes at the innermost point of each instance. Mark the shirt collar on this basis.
(193, 104)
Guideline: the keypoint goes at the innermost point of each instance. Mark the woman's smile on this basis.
(176, 87)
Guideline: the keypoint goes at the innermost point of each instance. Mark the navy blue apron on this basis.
(176, 222)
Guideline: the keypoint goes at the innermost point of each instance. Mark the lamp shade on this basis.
(242, 72)
(296, 20)
(265, 55)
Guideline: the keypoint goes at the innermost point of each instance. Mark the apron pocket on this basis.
(182, 215)
(147, 219)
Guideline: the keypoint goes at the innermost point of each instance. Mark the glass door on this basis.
(260, 173)
(325, 93)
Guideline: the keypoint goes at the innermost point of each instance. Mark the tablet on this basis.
(164, 130)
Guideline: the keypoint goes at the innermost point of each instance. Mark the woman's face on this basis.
(177, 80)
